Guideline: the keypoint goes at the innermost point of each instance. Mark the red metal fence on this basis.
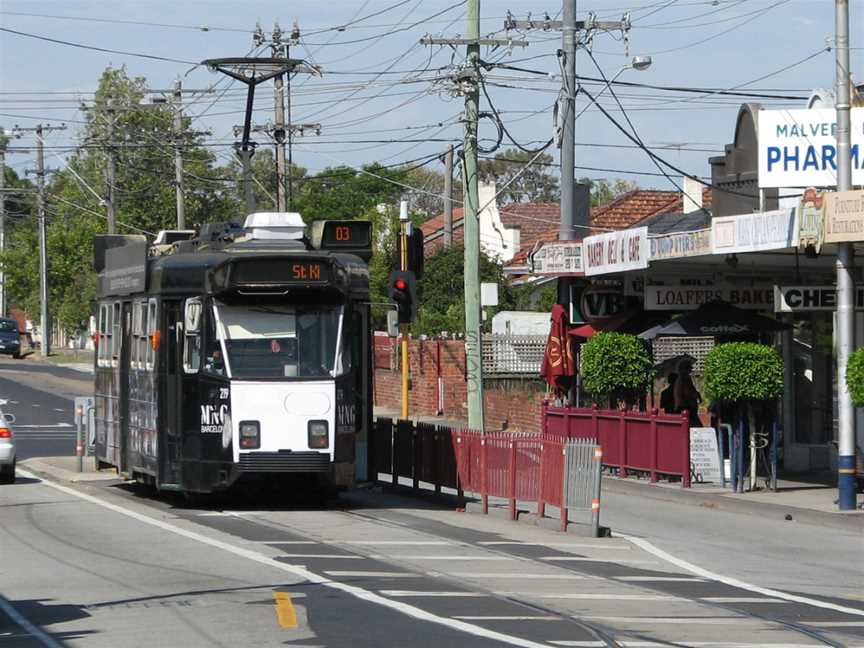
(658, 444)
(531, 468)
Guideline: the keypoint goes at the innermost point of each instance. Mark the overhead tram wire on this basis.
(94, 48)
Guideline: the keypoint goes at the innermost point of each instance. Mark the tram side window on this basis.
(115, 334)
(151, 335)
(192, 337)
(104, 342)
(138, 326)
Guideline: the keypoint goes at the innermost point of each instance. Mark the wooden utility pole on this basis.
(178, 155)
(448, 198)
(469, 83)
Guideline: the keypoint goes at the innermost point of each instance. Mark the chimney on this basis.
(692, 195)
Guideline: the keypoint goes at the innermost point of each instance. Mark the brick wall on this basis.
(513, 403)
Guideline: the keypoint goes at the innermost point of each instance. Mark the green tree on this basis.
(533, 184)
(140, 136)
(442, 289)
(603, 191)
(616, 366)
(343, 193)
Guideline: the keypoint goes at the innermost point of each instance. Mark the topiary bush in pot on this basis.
(616, 366)
(855, 377)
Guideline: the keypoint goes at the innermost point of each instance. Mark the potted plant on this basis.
(616, 367)
(855, 377)
(744, 376)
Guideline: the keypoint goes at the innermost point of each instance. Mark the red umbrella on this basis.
(558, 358)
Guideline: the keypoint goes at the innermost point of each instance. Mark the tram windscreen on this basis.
(282, 342)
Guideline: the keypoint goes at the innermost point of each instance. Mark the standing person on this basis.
(667, 396)
(686, 395)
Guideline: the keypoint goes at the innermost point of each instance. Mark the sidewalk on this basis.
(808, 502)
(64, 469)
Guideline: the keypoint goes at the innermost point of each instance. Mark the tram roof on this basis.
(187, 273)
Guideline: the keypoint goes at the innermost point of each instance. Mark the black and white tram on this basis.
(238, 355)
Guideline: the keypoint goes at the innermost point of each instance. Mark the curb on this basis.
(526, 517)
(852, 521)
(47, 470)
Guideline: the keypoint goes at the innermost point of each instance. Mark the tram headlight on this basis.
(319, 435)
(250, 435)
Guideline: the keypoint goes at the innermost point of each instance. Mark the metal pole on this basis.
(448, 198)
(471, 230)
(2, 230)
(845, 281)
(248, 189)
(178, 154)
(79, 438)
(595, 500)
(403, 328)
(45, 345)
(279, 134)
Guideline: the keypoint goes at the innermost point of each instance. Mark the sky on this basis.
(385, 97)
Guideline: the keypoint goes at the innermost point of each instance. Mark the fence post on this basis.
(595, 424)
(394, 448)
(653, 448)
(564, 514)
(512, 487)
(541, 503)
(685, 448)
(484, 495)
(417, 455)
(437, 454)
(595, 500)
(622, 438)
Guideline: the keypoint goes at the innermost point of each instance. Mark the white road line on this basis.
(521, 576)
(412, 557)
(53, 426)
(693, 644)
(833, 624)
(562, 545)
(734, 582)
(327, 556)
(300, 572)
(371, 574)
(22, 622)
(412, 543)
(413, 594)
(584, 559)
(647, 620)
(283, 542)
(511, 618)
(740, 599)
(659, 579)
(596, 597)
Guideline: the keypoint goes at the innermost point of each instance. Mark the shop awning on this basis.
(719, 319)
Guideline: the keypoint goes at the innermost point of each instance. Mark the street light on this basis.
(639, 63)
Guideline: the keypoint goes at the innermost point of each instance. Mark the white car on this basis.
(7, 449)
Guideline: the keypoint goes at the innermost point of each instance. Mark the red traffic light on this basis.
(400, 284)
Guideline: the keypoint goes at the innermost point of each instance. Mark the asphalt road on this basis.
(102, 564)
(41, 398)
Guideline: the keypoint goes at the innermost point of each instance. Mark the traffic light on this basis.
(402, 289)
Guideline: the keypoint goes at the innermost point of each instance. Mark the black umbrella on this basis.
(718, 319)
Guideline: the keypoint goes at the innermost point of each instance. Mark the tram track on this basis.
(608, 635)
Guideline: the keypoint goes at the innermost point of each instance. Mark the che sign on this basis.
(616, 251)
(798, 148)
(798, 299)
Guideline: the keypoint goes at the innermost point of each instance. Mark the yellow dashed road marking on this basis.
(285, 613)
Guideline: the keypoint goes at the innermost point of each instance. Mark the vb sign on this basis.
(798, 148)
(601, 303)
(616, 251)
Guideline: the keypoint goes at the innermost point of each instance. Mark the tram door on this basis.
(123, 385)
(170, 398)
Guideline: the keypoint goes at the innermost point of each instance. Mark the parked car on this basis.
(10, 339)
(7, 449)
